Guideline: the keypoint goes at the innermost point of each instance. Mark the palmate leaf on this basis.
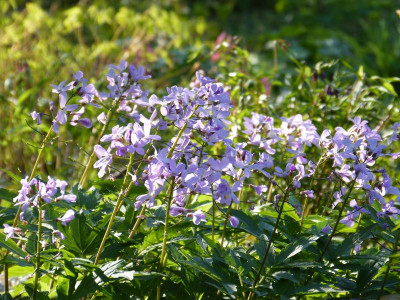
(216, 271)
(80, 238)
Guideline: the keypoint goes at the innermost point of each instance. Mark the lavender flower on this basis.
(198, 216)
(233, 221)
(67, 217)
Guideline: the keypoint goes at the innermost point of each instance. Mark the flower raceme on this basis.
(35, 193)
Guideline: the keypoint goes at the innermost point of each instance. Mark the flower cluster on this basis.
(35, 193)
(278, 154)
(123, 88)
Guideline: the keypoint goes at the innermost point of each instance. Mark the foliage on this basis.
(276, 180)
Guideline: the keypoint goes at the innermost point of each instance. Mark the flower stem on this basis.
(389, 265)
(271, 240)
(213, 221)
(37, 272)
(226, 222)
(335, 227)
(124, 190)
(137, 223)
(164, 245)
(33, 173)
(92, 157)
(309, 187)
(337, 220)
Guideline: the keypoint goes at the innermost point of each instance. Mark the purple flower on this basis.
(394, 137)
(389, 210)
(357, 248)
(259, 189)
(233, 221)
(105, 160)
(102, 118)
(327, 229)
(37, 116)
(59, 234)
(308, 193)
(198, 216)
(70, 198)
(62, 89)
(137, 73)
(224, 194)
(68, 217)
(176, 210)
(10, 231)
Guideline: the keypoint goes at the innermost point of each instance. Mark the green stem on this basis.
(309, 187)
(164, 245)
(137, 223)
(170, 192)
(226, 222)
(124, 190)
(352, 249)
(335, 227)
(33, 173)
(37, 272)
(271, 240)
(389, 265)
(337, 220)
(92, 157)
(213, 221)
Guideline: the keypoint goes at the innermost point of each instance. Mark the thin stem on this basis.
(6, 287)
(271, 240)
(137, 223)
(92, 157)
(33, 173)
(309, 187)
(37, 273)
(171, 151)
(337, 220)
(164, 245)
(389, 265)
(335, 227)
(213, 221)
(226, 222)
(352, 249)
(124, 190)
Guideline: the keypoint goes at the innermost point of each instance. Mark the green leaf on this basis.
(7, 195)
(11, 246)
(87, 286)
(13, 176)
(62, 287)
(296, 247)
(246, 222)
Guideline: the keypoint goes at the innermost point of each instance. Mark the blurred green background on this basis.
(268, 52)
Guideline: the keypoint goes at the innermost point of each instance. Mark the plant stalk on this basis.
(124, 190)
(37, 271)
(164, 245)
(92, 157)
(33, 173)
(271, 240)
(309, 187)
(335, 227)
(389, 265)
(226, 222)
